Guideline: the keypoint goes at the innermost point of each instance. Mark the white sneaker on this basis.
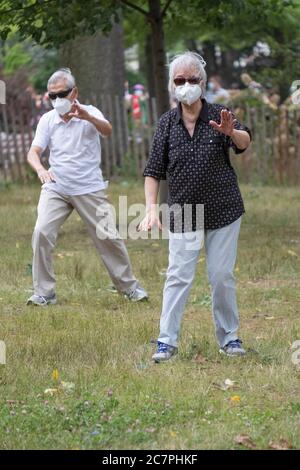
(41, 300)
(137, 295)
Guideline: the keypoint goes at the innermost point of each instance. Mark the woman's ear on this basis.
(202, 85)
(75, 93)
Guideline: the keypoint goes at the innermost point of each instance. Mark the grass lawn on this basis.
(107, 392)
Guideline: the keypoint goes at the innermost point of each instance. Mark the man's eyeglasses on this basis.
(192, 81)
(60, 94)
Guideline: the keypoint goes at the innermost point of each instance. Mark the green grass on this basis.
(102, 343)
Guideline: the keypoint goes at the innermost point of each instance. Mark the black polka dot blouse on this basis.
(197, 168)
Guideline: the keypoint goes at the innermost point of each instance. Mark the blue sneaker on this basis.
(233, 348)
(164, 352)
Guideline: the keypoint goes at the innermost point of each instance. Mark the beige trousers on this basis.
(94, 208)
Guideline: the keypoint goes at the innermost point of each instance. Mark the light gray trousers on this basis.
(221, 251)
(53, 210)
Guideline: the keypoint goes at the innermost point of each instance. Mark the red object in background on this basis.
(136, 107)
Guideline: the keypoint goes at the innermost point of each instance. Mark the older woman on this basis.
(191, 144)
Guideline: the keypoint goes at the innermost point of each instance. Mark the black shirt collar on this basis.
(203, 114)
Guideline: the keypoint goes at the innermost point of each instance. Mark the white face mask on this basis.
(188, 93)
(62, 105)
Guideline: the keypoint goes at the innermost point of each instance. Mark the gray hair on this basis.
(186, 59)
(62, 74)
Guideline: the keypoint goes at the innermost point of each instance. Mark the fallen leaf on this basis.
(292, 253)
(151, 430)
(50, 391)
(227, 384)
(245, 440)
(282, 444)
(67, 386)
(200, 359)
(173, 433)
(55, 374)
(235, 399)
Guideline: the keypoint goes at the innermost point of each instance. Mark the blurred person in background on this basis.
(215, 91)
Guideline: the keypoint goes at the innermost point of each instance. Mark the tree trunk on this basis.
(148, 65)
(209, 55)
(97, 63)
(160, 73)
(159, 57)
(227, 71)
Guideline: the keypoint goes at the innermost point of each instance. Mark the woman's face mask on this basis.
(187, 93)
(62, 105)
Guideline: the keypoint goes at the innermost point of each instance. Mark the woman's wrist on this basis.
(151, 208)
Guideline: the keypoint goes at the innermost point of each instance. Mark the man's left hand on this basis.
(102, 125)
(79, 113)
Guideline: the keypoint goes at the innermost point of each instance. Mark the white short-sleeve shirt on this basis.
(75, 152)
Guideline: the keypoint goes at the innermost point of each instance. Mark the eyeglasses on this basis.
(60, 94)
(181, 81)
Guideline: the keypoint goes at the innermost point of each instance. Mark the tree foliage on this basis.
(234, 24)
(52, 22)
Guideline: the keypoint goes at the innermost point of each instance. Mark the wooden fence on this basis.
(273, 157)
(274, 154)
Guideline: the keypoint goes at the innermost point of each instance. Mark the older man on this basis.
(191, 145)
(74, 181)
